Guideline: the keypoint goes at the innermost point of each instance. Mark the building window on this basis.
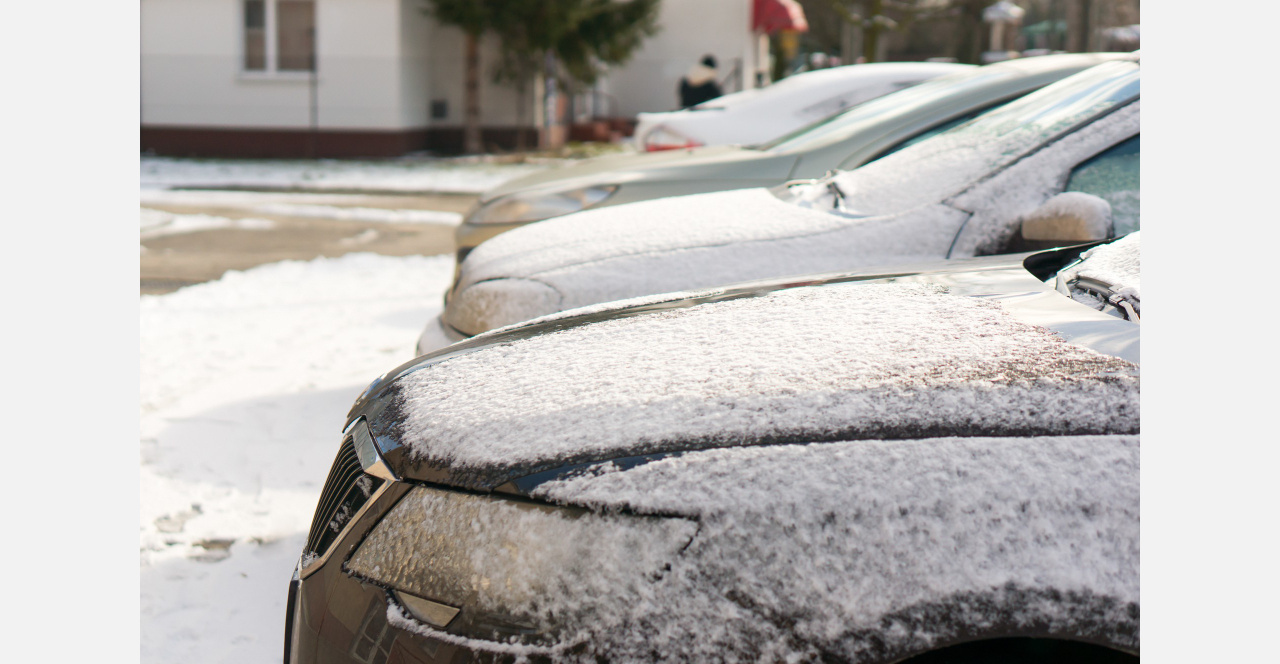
(279, 35)
(255, 35)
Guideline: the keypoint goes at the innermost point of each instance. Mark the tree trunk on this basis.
(522, 88)
(471, 122)
(1079, 26)
(970, 30)
(871, 34)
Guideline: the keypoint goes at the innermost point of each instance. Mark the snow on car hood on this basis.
(838, 362)
(872, 550)
(674, 244)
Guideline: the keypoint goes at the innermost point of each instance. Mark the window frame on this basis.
(271, 47)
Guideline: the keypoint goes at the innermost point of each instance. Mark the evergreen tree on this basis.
(569, 40)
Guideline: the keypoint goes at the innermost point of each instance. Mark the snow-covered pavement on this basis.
(245, 382)
(388, 175)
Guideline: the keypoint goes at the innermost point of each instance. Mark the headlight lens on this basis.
(524, 208)
(514, 568)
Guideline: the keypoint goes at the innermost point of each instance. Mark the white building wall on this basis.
(192, 75)
(358, 46)
(416, 44)
(690, 29)
(499, 103)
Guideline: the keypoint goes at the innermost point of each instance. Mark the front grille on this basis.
(345, 492)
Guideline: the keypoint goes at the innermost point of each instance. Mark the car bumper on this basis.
(335, 618)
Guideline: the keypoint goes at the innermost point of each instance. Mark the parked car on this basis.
(919, 464)
(965, 192)
(844, 141)
(762, 114)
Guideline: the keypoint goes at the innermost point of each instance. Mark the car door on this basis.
(1100, 158)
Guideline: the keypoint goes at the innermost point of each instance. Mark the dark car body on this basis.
(1019, 428)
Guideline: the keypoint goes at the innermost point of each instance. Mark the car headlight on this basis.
(528, 207)
(495, 568)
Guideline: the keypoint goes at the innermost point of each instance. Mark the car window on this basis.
(1113, 176)
(929, 133)
(901, 103)
(844, 101)
(947, 163)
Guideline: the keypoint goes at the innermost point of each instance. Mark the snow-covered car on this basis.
(844, 141)
(763, 114)
(1060, 165)
(933, 461)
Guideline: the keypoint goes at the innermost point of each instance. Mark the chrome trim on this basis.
(319, 561)
(424, 610)
(371, 461)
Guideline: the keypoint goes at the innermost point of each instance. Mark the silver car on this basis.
(844, 141)
(1055, 167)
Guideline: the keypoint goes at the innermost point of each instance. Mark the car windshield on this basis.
(843, 125)
(944, 165)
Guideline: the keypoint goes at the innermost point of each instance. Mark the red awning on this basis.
(770, 16)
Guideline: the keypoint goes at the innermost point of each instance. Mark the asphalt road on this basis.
(169, 262)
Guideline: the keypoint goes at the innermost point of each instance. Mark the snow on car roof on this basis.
(846, 361)
(819, 82)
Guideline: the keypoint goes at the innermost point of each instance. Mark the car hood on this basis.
(668, 164)
(873, 551)
(979, 348)
(670, 244)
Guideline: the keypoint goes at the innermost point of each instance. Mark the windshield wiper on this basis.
(1124, 299)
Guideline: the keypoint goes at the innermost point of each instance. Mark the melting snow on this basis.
(155, 223)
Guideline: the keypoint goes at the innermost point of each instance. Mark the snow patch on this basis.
(155, 223)
(392, 175)
(245, 382)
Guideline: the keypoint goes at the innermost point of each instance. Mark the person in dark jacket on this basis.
(700, 84)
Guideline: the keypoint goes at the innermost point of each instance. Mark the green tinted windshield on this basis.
(843, 125)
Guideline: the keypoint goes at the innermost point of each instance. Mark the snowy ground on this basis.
(245, 383)
(389, 175)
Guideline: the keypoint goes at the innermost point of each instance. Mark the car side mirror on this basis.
(1072, 217)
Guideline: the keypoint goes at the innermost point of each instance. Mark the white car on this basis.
(763, 114)
(1058, 166)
